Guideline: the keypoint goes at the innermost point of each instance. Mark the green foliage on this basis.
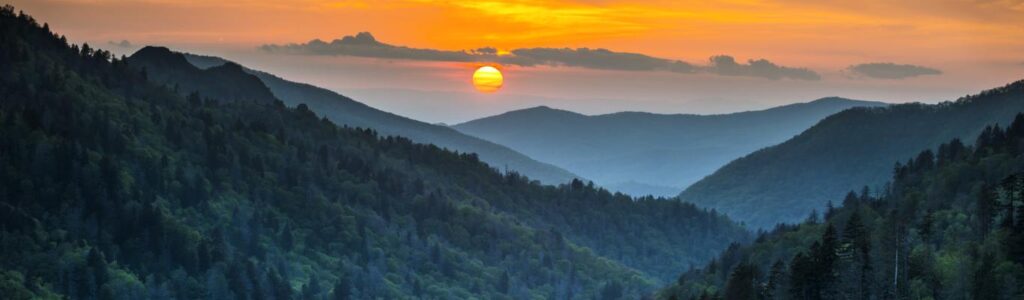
(948, 226)
(112, 186)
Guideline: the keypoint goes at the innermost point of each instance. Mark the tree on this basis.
(776, 280)
(504, 283)
(342, 289)
(858, 279)
(801, 275)
(97, 270)
(312, 289)
(611, 291)
(825, 261)
(742, 284)
(282, 289)
(985, 209)
(1011, 188)
(985, 284)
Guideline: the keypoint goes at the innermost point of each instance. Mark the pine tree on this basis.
(860, 241)
(742, 284)
(504, 283)
(985, 209)
(342, 289)
(776, 280)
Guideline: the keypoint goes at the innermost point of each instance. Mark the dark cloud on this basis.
(591, 58)
(365, 45)
(727, 66)
(891, 70)
(122, 44)
(486, 51)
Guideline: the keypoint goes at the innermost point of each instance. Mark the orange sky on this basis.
(808, 33)
(976, 44)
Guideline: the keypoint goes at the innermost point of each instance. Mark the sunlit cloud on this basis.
(364, 44)
(817, 35)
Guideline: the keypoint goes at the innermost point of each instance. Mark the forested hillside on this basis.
(114, 187)
(346, 111)
(645, 153)
(846, 151)
(949, 225)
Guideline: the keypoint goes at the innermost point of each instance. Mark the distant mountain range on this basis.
(187, 71)
(844, 152)
(645, 153)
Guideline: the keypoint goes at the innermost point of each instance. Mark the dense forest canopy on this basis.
(949, 225)
(113, 186)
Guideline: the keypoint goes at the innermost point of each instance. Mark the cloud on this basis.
(601, 59)
(888, 70)
(122, 44)
(727, 66)
(364, 44)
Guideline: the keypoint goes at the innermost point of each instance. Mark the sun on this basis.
(487, 79)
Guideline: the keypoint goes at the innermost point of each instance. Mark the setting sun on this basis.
(487, 79)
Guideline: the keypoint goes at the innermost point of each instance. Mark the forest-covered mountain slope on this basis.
(116, 187)
(645, 153)
(843, 152)
(346, 111)
(949, 225)
(226, 82)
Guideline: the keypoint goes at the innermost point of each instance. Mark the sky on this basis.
(416, 58)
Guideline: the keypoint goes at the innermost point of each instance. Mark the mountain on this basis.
(950, 226)
(645, 153)
(116, 186)
(844, 152)
(343, 110)
(224, 82)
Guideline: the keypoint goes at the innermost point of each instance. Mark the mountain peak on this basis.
(153, 50)
(542, 109)
(831, 99)
(229, 67)
(160, 55)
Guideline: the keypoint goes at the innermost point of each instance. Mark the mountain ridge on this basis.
(843, 152)
(347, 111)
(949, 225)
(619, 150)
(224, 83)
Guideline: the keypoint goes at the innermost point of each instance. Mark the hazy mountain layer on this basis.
(844, 152)
(950, 225)
(345, 111)
(645, 153)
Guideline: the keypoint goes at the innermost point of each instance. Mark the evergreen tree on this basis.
(742, 284)
(776, 281)
(342, 290)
